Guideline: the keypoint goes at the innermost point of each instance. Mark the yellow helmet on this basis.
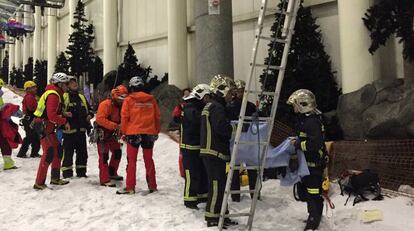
(29, 84)
(1, 83)
(303, 100)
(221, 85)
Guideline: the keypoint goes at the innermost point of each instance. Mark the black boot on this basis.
(312, 223)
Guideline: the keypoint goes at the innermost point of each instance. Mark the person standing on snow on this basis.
(140, 123)
(233, 109)
(108, 119)
(48, 116)
(29, 105)
(9, 134)
(310, 133)
(215, 135)
(195, 189)
(75, 138)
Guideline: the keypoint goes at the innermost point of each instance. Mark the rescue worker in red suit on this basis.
(108, 119)
(9, 134)
(29, 106)
(140, 123)
(49, 116)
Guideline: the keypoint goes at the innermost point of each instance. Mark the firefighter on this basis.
(310, 133)
(215, 135)
(108, 119)
(48, 116)
(75, 138)
(195, 189)
(233, 109)
(29, 105)
(140, 123)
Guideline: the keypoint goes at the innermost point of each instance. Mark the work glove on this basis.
(293, 163)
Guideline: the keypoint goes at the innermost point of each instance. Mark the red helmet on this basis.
(120, 92)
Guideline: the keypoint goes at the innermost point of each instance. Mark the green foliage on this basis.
(389, 17)
(62, 64)
(40, 76)
(28, 70)
(308, 67)
(5, 68)
(79, 49)
(17, 78)
(95, 71)
(130, 67)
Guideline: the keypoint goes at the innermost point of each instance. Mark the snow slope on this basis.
(84, 205)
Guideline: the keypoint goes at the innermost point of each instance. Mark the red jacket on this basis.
(108, 116)
(8, 129)
(29, 103)
(140, 114)
(54, 109)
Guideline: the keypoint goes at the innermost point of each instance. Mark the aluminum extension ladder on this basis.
(287, 31)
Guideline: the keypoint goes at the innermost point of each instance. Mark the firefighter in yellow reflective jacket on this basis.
(195, 190)
(75, 138)
(310, 132)
(215, 135)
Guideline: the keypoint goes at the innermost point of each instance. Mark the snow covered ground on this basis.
(84, 205)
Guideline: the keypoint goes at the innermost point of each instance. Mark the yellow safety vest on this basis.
(67, 103)
(1, 101)
(41, 105)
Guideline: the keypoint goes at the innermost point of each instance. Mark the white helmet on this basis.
(60, 78)
(136, 81)
(199, 92)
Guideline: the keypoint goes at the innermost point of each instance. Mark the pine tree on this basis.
(40, 76)
(79, 49)
(13, 77)
(131, 67)
(19, 78)
(389, 17)
(28, 70)
(308, 67)
(95, 71)
(5, 68)
(62, 64)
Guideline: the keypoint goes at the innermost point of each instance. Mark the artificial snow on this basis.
(85, 205)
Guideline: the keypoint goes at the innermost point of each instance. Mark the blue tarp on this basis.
(276, 157)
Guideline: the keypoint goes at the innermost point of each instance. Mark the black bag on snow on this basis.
(364, 186)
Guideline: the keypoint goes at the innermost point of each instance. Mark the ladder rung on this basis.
(274, 39)
(278, 11)
(272, 67)
(265, 119)
(271, 93)
(242, 191)
(237, 215)
(251, 142)
(238, 167)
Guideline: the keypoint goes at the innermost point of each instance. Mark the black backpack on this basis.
(363, 186)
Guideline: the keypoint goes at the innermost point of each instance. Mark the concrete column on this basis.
(177, 43)
(72, 8)
(18, 60)
(357, 64)
(214, 41)
(37, 35)
(26, 40)
(52, 42)
(11, 57)
(110, 35)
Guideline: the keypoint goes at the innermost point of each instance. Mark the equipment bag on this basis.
(364, 186)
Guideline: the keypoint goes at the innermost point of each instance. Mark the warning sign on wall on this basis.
(213, 7)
